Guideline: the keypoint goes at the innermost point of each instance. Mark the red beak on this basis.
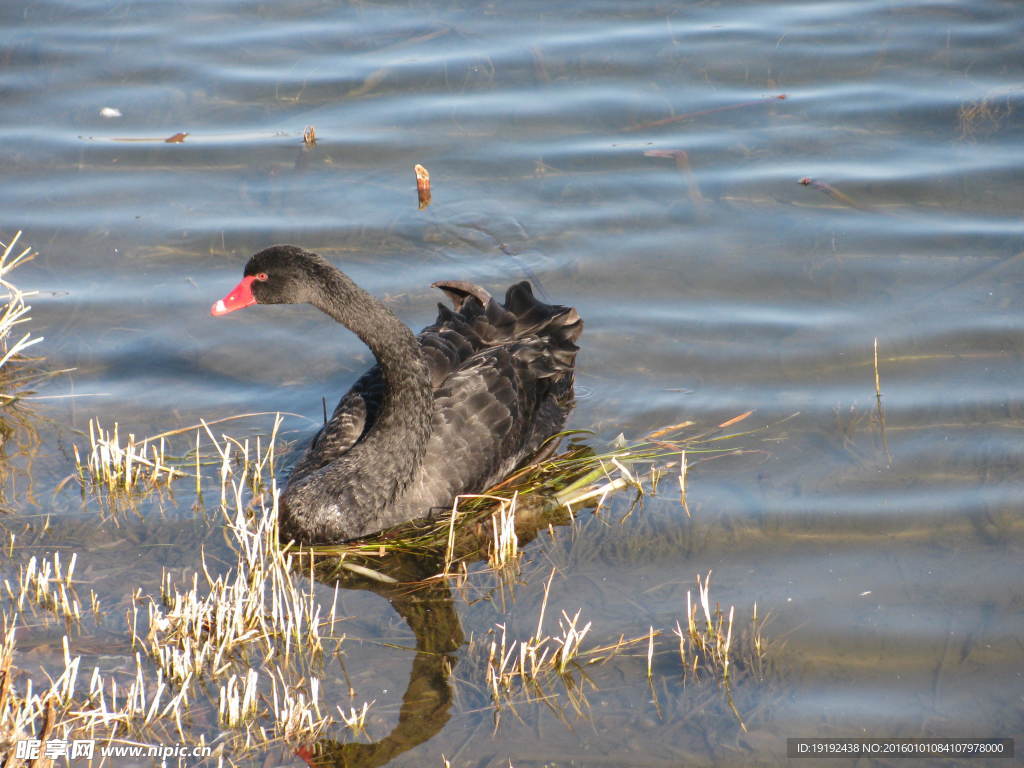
(239, 298)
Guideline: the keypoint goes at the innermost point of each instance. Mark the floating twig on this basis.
(834, 193)
(668, 430)
(422, 185)
(734, 420)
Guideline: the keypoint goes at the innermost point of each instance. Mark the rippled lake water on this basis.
(642, 162)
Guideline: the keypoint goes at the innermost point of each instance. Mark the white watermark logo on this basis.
(53, 749)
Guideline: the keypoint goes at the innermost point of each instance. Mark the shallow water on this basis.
(711, 287)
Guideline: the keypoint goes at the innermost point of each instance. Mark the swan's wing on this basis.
(354, 414)
(490, 415)
(476, 411)
(503, 376)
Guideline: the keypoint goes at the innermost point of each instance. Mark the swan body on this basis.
(452, 410)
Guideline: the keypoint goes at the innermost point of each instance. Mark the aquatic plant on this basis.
(531, 669)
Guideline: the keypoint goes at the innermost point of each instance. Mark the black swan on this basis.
(450, 411)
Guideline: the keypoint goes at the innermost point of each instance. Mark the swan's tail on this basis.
(542, 336)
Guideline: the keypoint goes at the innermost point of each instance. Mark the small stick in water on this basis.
(682, 482)
(734, 420)
(881, 410)
(701, 112)
(683, 165)
(422, 185)
(832, 192)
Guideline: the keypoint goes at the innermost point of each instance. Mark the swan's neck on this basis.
(386, 459)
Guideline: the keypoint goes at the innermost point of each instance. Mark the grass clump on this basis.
(122, 468)
(530, 668)
(43, 582)
(62, 709)
(131, 469)
(15, 313)
(239, 654)
(254, 631)
(711, 647)
(708, 645)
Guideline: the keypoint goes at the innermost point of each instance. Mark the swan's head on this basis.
(281, 274)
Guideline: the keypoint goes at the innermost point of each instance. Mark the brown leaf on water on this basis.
(667, 430)
(176, 138)
(734, 420)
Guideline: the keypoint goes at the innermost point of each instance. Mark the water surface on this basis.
(709, 288)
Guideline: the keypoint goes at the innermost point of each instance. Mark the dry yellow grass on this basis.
(15, 311)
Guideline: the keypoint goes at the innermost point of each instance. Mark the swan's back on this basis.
(502, 376)
(506, 391)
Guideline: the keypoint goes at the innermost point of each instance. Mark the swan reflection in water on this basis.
(428, 607)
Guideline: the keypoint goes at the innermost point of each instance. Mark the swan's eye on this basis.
(261, 276)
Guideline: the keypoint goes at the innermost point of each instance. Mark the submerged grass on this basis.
(987, 115)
